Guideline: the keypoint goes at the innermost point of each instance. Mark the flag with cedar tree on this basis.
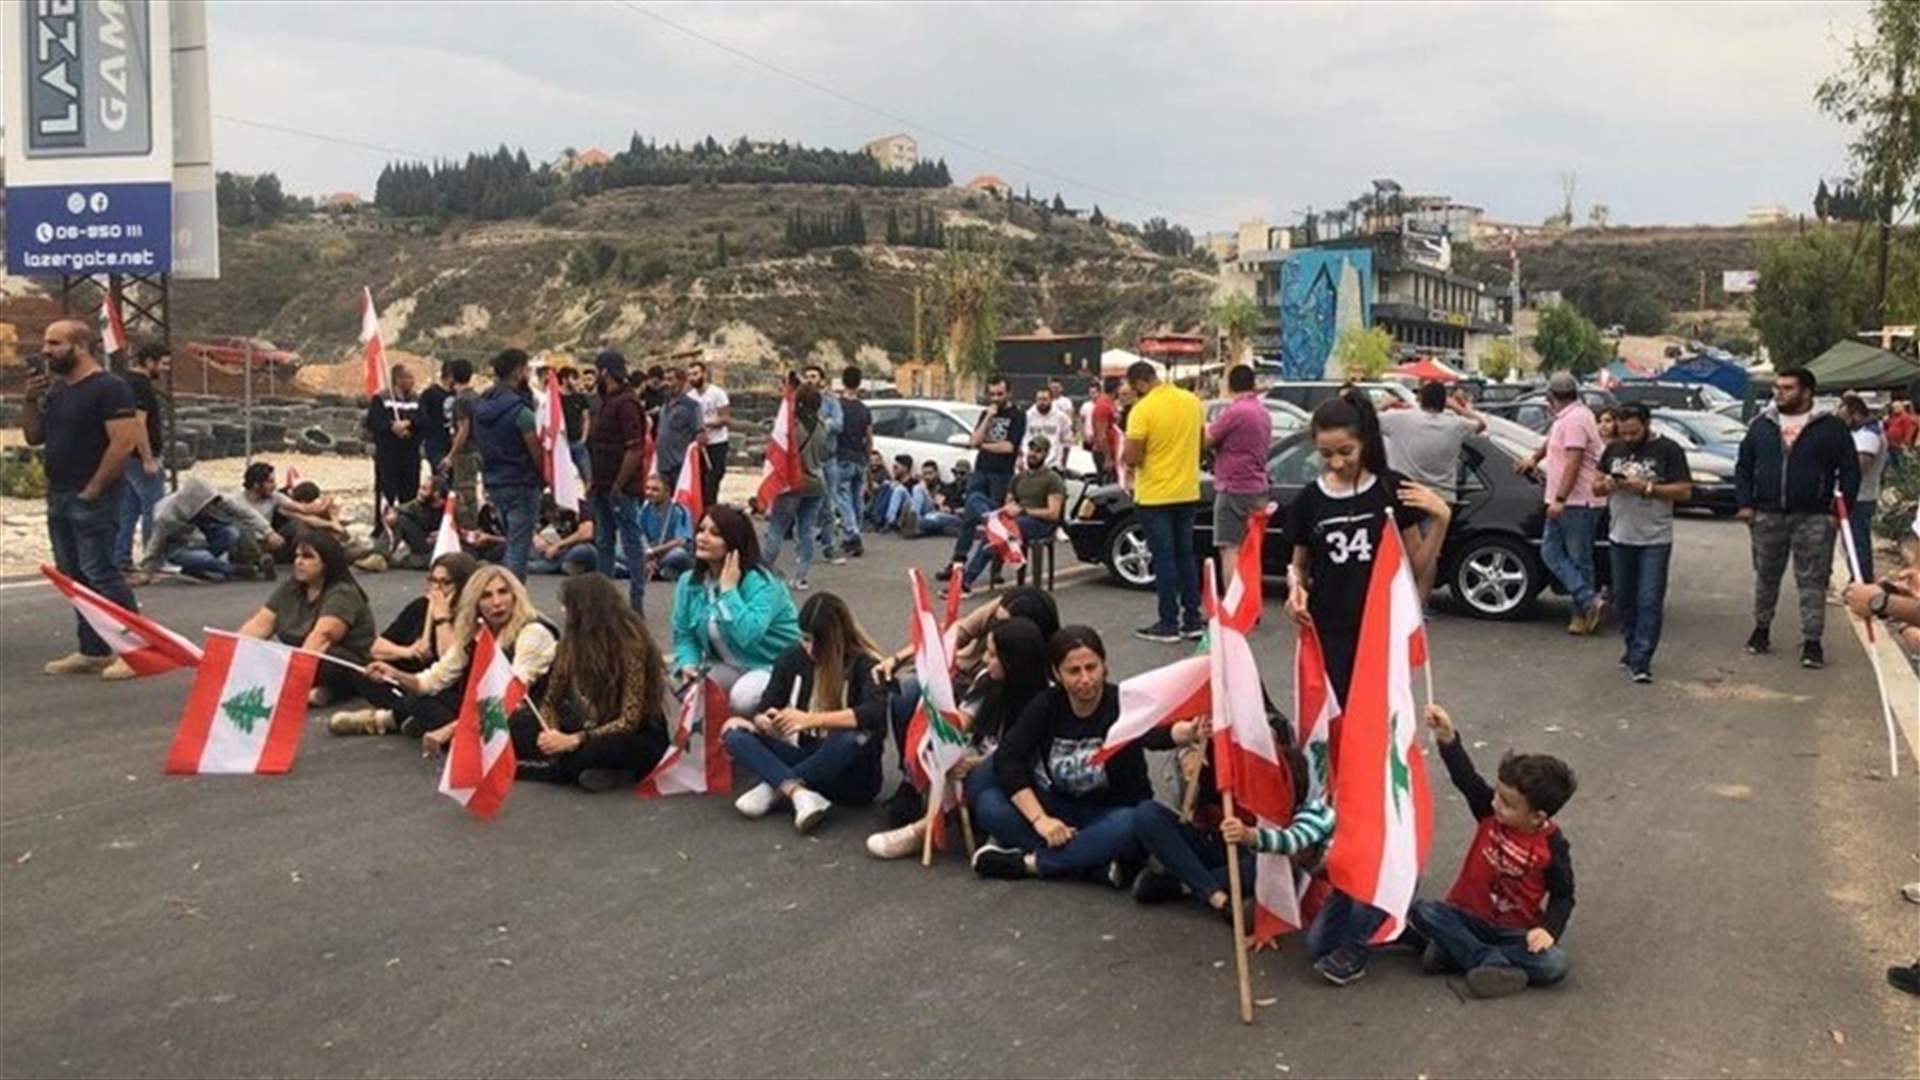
(480, 761)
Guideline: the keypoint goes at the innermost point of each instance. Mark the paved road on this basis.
(1737, 847)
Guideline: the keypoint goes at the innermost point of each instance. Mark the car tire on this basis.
(1496, 577)
(1128, 560)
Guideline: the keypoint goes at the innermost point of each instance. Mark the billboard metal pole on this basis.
(247, 407)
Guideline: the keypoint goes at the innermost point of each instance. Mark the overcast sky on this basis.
(1207, 115)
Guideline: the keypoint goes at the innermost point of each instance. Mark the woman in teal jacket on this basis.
(731, 615)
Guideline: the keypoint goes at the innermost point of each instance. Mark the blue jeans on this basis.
(616, 526)
(844, 766)
(1472, 942)
(1860, 521)
(1640, 598)
(1343, 923)
(1101, 835)
(1031, 531)
(1176, 569)
(582, 462)
(83, 535)
(846, 485)
(519, 510)
(884, 509)
(578, 559)
(1567, 549)
(209, 563)
(940, 523)
(674, 563)
(1198, 859)
(801, 514)
(986, 492)
(143, 494)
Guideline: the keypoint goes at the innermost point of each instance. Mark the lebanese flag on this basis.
(480, 761)
(447, 540)
(1316, 708)
(650, 460)
(146, 646)
(1158, 698)
(937, 735)
(561, 472)
(1003, 533)
(376, 350)
(291, 480)
(952, 614)
(246, 709)
(1380, 790)
(697, 763)
(690, 489)
(113, 332)
(781, 473)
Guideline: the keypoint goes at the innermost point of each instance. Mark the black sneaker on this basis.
(857, 550)
(1434, 960)
(1812, 655)
(1625, 664)
(1341, 967)
(903, 807)
(1155, 886)
(1905, 977)
(1005, 863)
(1496, 981)
(1194, 632)
(597, 781)
(1643, 676)
(1761, 642)
(1158, 632)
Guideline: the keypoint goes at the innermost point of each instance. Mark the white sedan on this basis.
(939, 431)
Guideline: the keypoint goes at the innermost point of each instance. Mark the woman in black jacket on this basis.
(820, 730)
(1052, 809)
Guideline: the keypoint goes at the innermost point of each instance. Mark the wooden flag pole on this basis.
(1191, 796)
(1239, 926)
(927, 826)
(966, 830)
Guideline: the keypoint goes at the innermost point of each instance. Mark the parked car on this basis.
(929, 430)
(1673, 395)
(1308, 394)
(1709, 431)
(1712, 475)
(1494, 393)
(235, 351)
(1287, 418)
(1533, 413)
(1490, 562)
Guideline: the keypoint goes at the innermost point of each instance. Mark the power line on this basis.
(904, 121)
(336, 140)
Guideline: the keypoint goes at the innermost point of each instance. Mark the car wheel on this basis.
(1496, 578)
(1128, 559)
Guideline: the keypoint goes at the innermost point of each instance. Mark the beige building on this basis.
(1774, 214)
(990, 184)
(895, 153)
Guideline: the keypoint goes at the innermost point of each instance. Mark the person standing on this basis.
(1424, 444)
(1901, 429)
(576, 415)
(84, 415)
(436, 419)
(996, 442)
(831, 417)
(1102, 417)
(393, 424)
(1791, 463)
(681, 427)
(462, 463)
(797, 511)
(1870, 444)
(847, 472)
(617, 441)
(503, 425)
(1643, 476)
(145, 470)
(1239, 438)
(1572, 457)
(716, 418)
(1164, 432)
(1047, 417)
(1057, 391)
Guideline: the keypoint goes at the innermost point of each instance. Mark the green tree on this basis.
(1877, 93)
(1814, 290)
(1568, 341)
(268, 199)
(1361, 353)
(720, 247)
(1098, 220)
(1501, 359)
(968, 282)
(1628, 296)
(1238, 317)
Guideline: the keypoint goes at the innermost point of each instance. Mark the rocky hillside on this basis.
(641, 270)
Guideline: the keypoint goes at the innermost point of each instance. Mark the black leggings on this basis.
(431, 710)
(1337, 645)
(639, 752)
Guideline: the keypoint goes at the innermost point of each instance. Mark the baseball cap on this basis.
(612, 362)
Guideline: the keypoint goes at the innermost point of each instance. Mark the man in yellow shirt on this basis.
(1163, 451)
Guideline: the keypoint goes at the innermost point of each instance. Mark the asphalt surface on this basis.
(1738, 851)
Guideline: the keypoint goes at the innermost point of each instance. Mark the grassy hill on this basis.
(638, 269)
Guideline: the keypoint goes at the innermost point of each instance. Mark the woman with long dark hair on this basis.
(602, 721)
(732, 618)
(1052, 809)
(320, 608)
(798, 511)
(1013, 673)
(820, 730)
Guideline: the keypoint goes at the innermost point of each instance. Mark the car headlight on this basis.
(1088, 510)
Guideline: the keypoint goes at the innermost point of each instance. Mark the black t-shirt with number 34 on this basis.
(1341, 534)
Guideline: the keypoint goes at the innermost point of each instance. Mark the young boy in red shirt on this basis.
(1503, 919)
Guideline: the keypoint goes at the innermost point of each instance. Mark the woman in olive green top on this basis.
(320, 608)
(798, 511)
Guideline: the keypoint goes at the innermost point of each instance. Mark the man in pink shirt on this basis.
(1572, 458)
(1238, 437)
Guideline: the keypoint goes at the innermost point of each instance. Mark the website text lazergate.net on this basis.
(89, 260)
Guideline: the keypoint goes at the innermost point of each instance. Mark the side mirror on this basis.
(962, 441)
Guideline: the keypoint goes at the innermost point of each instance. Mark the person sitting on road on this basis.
(602, 722)
(210, 535)
(424, 705)
(1037, 499)
(891, 494)
(1051, 810)
(732, 617)
(1503, 919)
(1015, 672)
(414, 525)
(667, 530)
(321, 609)
(933, 506)
(423, 631)
(821, 727)
(564, 544)
(487, 540)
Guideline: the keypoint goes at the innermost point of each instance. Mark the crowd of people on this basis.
(812, 695)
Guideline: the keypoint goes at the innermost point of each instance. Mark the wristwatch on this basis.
(1878, 605)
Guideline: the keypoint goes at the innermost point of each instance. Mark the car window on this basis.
(1294, 466)
(1533, 417)
(889, 422)
(927, 425)
(1714, 396)
(1677, 432)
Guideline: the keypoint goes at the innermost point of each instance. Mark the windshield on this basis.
(1713, 395)
(1516, 439)
(1677, 432)
(1720, 428)
(966, 414)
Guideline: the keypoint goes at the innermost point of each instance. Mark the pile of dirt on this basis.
(348, 377)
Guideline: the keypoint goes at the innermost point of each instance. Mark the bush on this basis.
(1568, 341)
(846, 260)
(23, 479)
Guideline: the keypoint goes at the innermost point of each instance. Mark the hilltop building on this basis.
(895, 153)
(989, 184)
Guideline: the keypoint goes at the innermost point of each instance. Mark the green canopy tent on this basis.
(1854, 365)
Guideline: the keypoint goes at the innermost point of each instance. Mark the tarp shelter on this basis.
(1722, 374)
(1427, 369)
(1115, 362)
(1854, 365)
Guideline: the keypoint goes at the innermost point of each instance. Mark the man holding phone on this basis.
(996, 441)
(85, 417)
(1642, 476)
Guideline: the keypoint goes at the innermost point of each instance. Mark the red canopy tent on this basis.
(1427, 369)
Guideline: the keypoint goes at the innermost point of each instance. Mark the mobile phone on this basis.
(37, 365)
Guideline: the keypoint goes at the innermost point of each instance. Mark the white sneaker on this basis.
(897, 843)
(808, 809)
(758, 800)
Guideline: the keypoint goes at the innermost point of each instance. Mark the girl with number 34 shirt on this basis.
(1334, 526)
